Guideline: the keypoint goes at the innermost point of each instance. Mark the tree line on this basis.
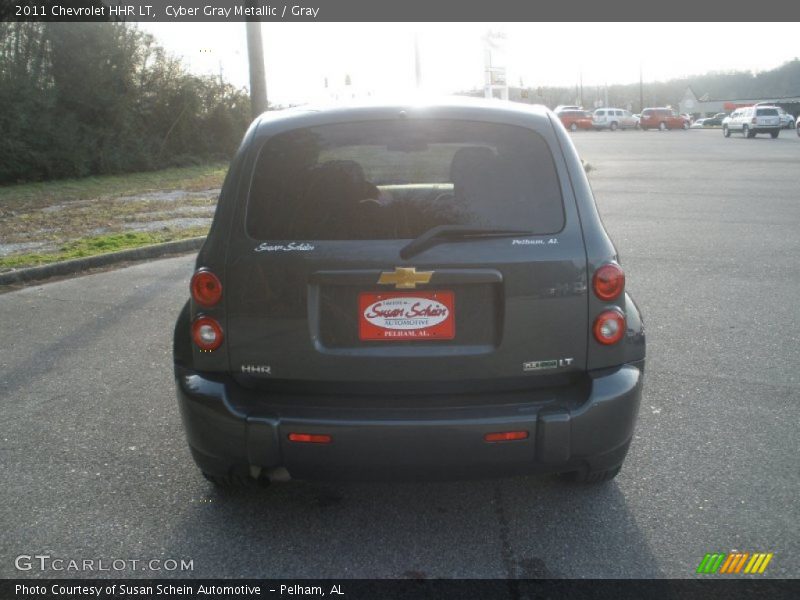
(780, 82)
(82, 99)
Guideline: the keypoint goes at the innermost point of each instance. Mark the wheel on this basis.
(775, 133)
(746, 131)
(637, 125)
(235, 480)
(685, 126)
(573, 127)
(725, 131)
(643, 128)
(797, 129)
(613, 127)
(662, 126)
(586, 476)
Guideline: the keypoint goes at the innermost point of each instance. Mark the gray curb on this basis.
(69, 267)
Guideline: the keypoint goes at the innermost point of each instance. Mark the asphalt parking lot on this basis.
(95, 465)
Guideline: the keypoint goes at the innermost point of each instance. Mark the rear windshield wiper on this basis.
(446, 233)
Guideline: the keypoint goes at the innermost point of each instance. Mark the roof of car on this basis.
(460, 107)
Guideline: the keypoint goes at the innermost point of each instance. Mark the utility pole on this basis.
(641, 90)
(417, 68)
(258, 79)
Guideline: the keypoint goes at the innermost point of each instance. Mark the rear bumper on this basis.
(232, 427)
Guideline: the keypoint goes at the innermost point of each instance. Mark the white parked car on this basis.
(787, 120)
(614, 118)
(752, 120)
(698, 124)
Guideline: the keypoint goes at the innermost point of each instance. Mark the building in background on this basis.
(706, 107)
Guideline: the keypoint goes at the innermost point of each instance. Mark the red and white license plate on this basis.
(398, 316)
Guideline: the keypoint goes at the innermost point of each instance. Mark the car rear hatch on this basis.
(767, 117)
(326, 283)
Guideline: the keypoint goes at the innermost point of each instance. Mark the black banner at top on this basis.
(372, 10)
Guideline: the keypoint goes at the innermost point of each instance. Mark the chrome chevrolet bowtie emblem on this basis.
(405, 278)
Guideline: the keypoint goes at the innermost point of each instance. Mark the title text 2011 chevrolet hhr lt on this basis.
(407, 291)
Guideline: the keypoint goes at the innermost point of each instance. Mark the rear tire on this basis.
(775, 133)
(662, 126)
(746, 132)
(685, 126)
(591, 477)
(235, 481)
(725, 131)
(613, 127)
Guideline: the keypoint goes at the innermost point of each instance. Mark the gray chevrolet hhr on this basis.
(408, 290)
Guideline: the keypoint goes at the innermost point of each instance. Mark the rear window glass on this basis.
(767, 112)
(397, 179)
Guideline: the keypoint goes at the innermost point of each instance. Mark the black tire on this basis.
(586, 476)
(725, 131)
(573, 127)
(797, 129)
(613, 126)
(685, 125)
(235, 481)
(775, 133)
(662, 126)
(746, 132)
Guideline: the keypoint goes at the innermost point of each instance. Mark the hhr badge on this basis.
(257, 369)
(405, 278)
(538, 365)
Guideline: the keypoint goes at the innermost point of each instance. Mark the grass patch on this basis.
(102, 244)
(46, 193)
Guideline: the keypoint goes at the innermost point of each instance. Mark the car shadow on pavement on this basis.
(524, 527)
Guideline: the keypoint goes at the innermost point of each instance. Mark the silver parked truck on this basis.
(406, 291)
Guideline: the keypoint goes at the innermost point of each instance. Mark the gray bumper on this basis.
(230, 427)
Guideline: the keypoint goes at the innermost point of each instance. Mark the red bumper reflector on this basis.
(310, 438)
(506, 436)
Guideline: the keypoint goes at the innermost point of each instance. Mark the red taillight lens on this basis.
(206, 288)
(310, 438)
(206, 333)
(608, 281)
(609, 327)
(506, 436)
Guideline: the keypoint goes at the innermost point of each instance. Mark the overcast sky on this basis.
(379, 57)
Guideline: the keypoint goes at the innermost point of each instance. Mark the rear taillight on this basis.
(608, 281)
(206, 333)
(206, 288)
(609, 327)
(754, 121)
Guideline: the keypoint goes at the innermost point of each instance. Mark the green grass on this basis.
(103, 244)
(33, 195)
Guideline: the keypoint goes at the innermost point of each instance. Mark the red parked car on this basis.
(575, 119)
(662, 118)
